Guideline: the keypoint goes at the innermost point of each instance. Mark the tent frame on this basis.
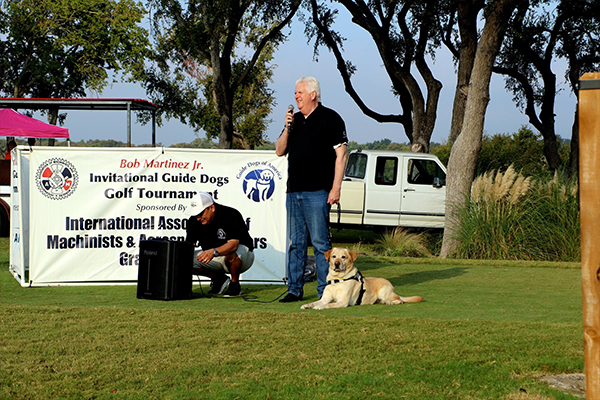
(87, 104)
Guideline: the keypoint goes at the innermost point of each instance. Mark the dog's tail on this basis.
(411, 299)
(395, 299)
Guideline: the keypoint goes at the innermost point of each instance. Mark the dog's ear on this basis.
(353, 255)
(328, 254)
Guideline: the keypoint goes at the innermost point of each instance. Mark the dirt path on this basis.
(572, 383)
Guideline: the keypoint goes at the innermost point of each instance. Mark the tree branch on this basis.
(527, 90)
(343, 68)
(264, 41)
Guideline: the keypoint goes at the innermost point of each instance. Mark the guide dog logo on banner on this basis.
(56, 178)
(259, 183)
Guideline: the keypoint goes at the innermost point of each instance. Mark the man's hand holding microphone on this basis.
(281, 143)
(289, 118)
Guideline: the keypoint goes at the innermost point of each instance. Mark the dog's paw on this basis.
(305, 306)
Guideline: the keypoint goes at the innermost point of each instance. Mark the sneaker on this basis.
(218, 284)
(234, 290)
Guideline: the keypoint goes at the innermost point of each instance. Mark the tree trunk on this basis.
(551, 150)
(463, 157)
(574, 159)
(221, 69)
(53, 120)
(424, 122)
(467, 25)
(547, 127)
(225, 137)
(574, 74)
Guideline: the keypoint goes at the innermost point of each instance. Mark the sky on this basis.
(294, 59)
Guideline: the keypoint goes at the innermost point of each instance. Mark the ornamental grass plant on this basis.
(512, 217)
(402, 243)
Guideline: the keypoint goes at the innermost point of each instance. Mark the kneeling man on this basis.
(226, 245)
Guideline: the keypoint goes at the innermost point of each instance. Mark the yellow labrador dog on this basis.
(347, 287)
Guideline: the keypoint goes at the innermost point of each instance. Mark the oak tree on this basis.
(212, 61)
(406, 33)
(62, 48)
(541, 33)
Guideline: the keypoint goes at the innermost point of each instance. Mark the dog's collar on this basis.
(359, 278)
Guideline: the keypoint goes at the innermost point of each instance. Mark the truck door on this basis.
(423, 193)
(383, 195)
(350, 209)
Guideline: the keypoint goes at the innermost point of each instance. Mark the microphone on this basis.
(290, 108)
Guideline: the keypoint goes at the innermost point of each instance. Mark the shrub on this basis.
(522, 149)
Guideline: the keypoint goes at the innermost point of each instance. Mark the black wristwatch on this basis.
(216, 252)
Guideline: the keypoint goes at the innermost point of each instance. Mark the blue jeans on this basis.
(307, 213)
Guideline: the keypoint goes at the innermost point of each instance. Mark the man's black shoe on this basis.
(218, 284)
(234, 290)
(290, 298)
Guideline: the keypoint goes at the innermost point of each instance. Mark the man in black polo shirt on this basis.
(315, 142)
(226, 244)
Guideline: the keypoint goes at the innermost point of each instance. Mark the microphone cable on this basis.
(247, 297)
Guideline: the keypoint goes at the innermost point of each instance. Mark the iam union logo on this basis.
(56, 178)
(259, 180)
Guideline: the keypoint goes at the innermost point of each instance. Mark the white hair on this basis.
(313, 85)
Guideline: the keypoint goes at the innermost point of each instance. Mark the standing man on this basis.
(226, 244)
(315, 141)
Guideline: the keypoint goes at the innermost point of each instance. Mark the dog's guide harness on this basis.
(359, 278)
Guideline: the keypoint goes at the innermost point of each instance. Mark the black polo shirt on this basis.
(310, 149)
(228, 224)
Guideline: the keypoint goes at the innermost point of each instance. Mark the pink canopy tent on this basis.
(13, 123)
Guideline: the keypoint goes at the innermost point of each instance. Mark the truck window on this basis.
(422, 172)
(356, 166)
(386, 171)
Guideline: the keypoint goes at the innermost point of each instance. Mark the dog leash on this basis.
(359, 278)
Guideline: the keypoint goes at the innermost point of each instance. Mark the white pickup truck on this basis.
(390, 189)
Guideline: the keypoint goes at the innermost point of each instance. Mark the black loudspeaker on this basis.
(165, 270)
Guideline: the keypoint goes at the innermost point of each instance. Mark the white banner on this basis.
(88, 208)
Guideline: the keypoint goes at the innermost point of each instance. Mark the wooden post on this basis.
(589, 186)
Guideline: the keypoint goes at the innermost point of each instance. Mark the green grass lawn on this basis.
(486, 330)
